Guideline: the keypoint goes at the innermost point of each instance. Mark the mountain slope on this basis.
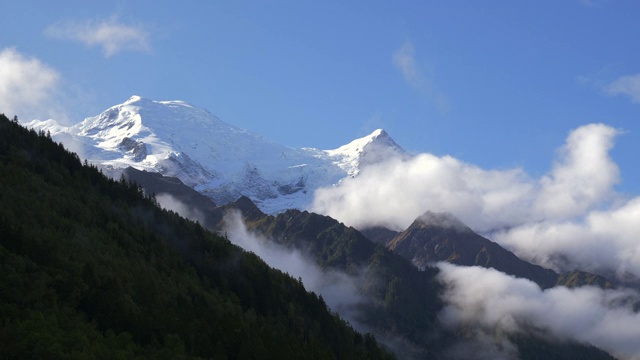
(219, 160)
(91, 268)
(435, 237)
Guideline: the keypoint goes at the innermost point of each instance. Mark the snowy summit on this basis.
(220, 160)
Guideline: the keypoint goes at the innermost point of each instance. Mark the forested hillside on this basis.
(405, 302)
(92, 268)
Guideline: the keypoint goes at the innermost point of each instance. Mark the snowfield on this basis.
(220, 160)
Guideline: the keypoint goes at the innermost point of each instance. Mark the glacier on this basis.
(220, 160)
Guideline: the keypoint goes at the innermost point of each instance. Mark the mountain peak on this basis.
(373, 148)
(248, 208)
(134, 98)
(148, 105)
(442, 220)
(377, 136)
(378, 132)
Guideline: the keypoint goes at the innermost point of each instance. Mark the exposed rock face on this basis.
(136, 149)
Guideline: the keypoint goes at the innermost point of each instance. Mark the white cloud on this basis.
(626, 85)
(395, 192)
(604, 241)
(583, 176)
(570, 218)
(28, 87)
(404, 59)
(495, 303)
(110, 34)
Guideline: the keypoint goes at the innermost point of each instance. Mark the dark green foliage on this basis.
(91, 268)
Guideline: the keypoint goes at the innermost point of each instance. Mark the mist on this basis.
(168, 202)
(339, 290)
(495, 304)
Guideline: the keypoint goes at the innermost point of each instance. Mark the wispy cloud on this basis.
(112, 35)
(594, 3)
(628, 85)
(338, 289)
(171, 203)
(404, 59)
(28, 87)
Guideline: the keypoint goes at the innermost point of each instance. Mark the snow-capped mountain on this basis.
(373, 148)
(220, 160)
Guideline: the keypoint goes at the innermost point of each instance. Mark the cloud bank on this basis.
(113, 36)
(495, 303)
(395, 192)
(603, 242)
(569, 218)
(28, 87)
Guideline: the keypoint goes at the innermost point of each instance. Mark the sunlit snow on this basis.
(216, 158)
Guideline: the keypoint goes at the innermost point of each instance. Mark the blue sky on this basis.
(498, 84)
